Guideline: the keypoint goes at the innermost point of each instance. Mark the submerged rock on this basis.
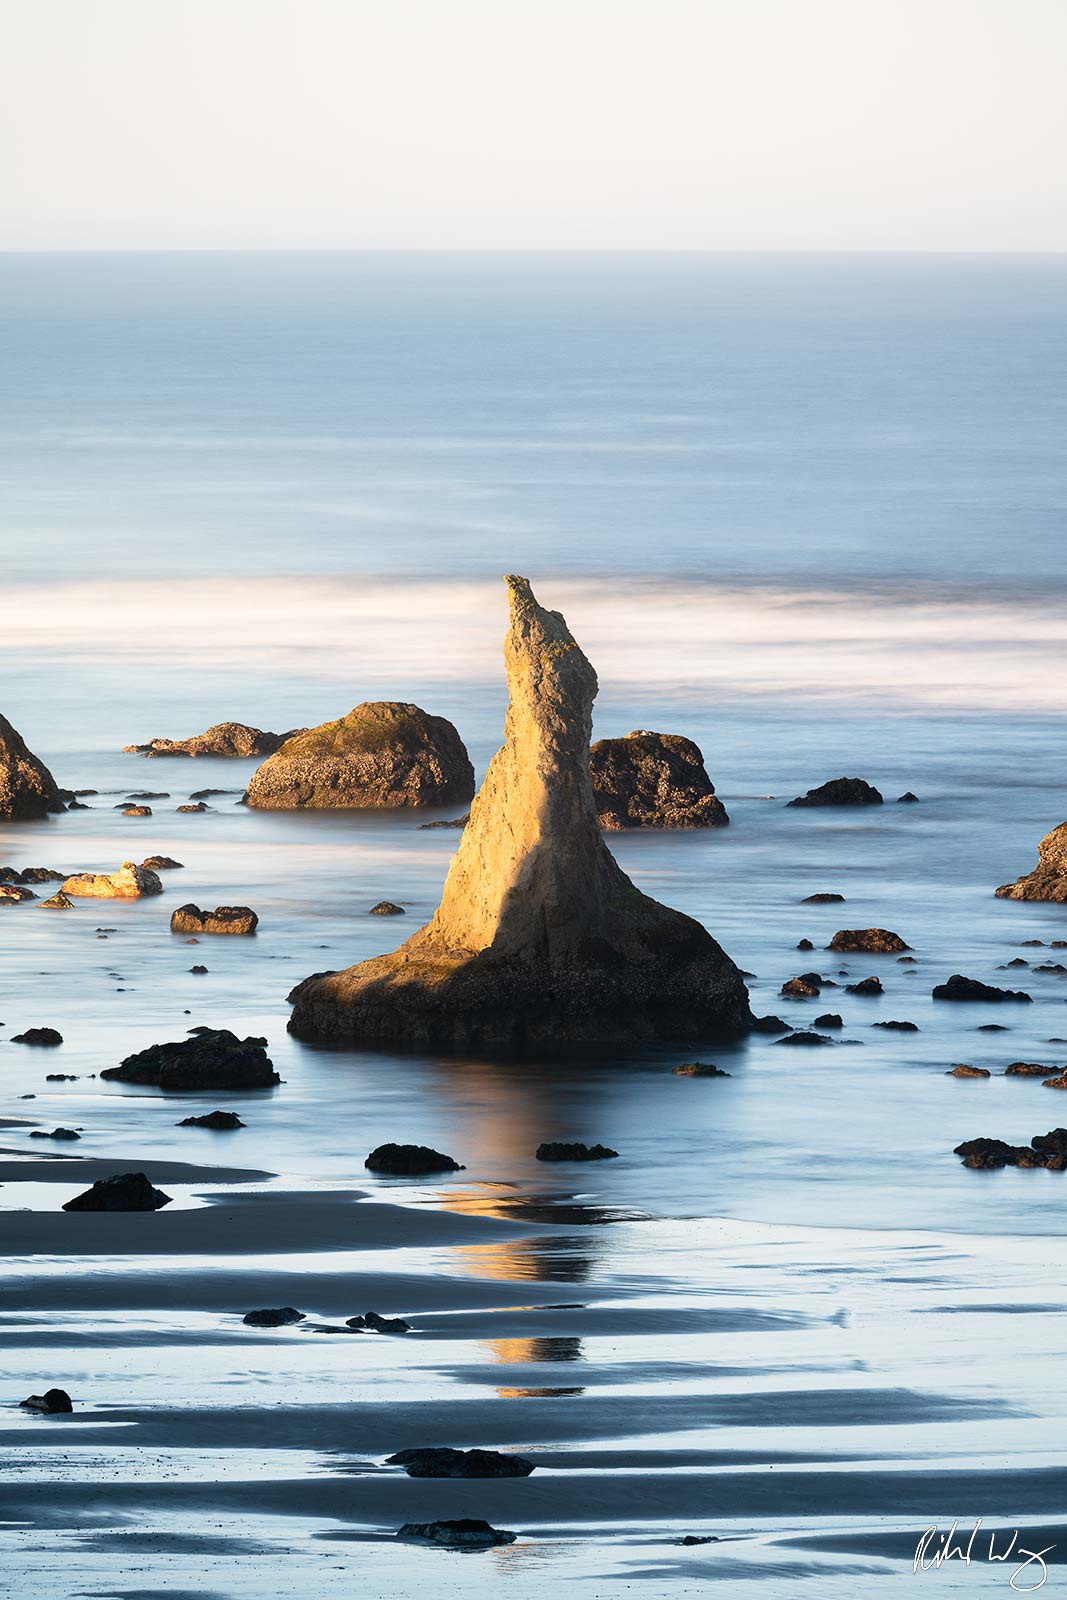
(126, 1191)
(438, 1461)
(371, 1322)
(462, 1533)
(224, 919)
(824, 898)
(53, 1403)
(805, 1038)
(131, 882)
(277, 1317)
(841, 792)
(383, 754)
(961, 988)
(653, 780)
(539, 933)
(27, 788)
(212, 1059)
(897, 1027)
(869, 941)
(63, 1134)
(220, 1121)
(230, 740)
(39, 1036)
(699, 1069)
(574, 1152)
(1048, 881)
(409, 1160)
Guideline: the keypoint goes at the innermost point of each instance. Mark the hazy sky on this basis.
(720, 124)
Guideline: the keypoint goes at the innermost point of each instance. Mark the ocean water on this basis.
(808, 511)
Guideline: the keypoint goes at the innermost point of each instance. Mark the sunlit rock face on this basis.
(130, 882)
(384, 754)
(27, 788)
(231, 741)
(539, 935)
(1048, 881)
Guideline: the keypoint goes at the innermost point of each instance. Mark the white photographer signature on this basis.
(1030, 1568)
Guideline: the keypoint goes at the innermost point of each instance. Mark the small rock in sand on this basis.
(53, 1403)
(126, 1191)
(409, 1160)
(438, 1461)
(278, 1317)
(462, 1533)
(555, 1151)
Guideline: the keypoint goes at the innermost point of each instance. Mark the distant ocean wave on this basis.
(693, 641)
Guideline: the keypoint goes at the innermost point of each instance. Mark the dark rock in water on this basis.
(841, 792)
(906, 961)
(1026, 943)
(27, 788)
(56, 1133)
(224, 919)
(15, 894)
(409, 1160)
(53, 1403)
(209, 794)
(435, 1461)
(1056, 968)
(992, 1027)
(805, 1039)
(126, 1191)
(61, 1077)
(653, 780)
(463, 1533)
(219, 1120)
(39, 1036)
(699, 1069)
(865, 986)
(1044, 1150)
(555, 1151)
(539, 934)
(231, 740)
(1026, 1069)
(829, 1019)
(149, 794)
(160, 863)
(57, 902)
(897, 1027)
(371, 1322)
(1059, 1082)
(383, 754)
(700, 1538)
(40, 875)
(907, 799)
(137, 811)
(1019, 961)
(199, 970)
(771, 1025)
(212, 1059)
(799, 989)
(869, 941)
(386, 908)
(1048, 881)
(187, 810)
(805, 944)
(823, 899)
(278, 1317)
(960, 988)
(963, 1071)
(448, 822)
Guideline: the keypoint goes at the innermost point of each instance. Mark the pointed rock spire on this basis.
(539, 933)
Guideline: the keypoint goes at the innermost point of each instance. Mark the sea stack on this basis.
(539, 935)
(1048, 881)
(27, 788)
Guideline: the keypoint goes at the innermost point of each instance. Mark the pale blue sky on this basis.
(713, 124)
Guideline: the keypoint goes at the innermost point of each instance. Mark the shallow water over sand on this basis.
(785, 1311)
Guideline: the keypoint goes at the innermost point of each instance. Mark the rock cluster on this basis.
(383, 754)
(539, 933)
(229, 740)
(131, 882)
(653, 780)
(27, 788)
(1048, 881)
(212, 1059)
(224, 919)
(1044, 1150)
